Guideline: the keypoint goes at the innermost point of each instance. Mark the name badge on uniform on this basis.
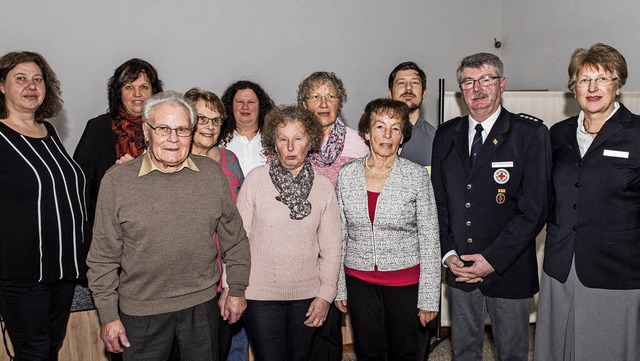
(501, 176)
(501, 164)
(615, 153)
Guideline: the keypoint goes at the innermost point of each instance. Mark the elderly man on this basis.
(408, 84)
(491, 174)
(152, 262)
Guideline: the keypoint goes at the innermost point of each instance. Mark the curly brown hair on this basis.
(265, 105)
(52, 102)
(393, 108)
(284, 115)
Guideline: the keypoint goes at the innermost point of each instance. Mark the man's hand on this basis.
(233, 308)
(456, 265)
(317, 313)
(426, 316)
(113, 336)
(480, 268)
(342, 305)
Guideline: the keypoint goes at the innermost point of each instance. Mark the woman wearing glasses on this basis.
(324, 94)
(589, 306)
(206, 134)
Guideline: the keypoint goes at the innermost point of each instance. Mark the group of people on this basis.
(197, 218)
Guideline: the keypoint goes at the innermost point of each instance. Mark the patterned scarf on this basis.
(129, 131)
(294, 191)
(333, 147)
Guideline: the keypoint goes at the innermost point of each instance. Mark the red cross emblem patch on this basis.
(501, 176)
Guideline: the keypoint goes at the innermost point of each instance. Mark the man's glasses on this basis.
(164, 131)
(482, 81)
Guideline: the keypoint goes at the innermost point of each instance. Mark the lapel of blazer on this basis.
(568, 137)
(461, 142)
(615, 124)
(494, 140)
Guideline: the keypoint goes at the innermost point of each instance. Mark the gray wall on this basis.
(210, 43)
(540, 36)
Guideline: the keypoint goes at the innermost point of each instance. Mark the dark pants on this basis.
(276, 330)
(36, 317)
(195, 329)
(327, 343)
(384, 319)
(227, 331)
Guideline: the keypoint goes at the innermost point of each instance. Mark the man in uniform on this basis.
(491, 173)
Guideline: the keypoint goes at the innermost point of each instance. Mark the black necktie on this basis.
(476, 145)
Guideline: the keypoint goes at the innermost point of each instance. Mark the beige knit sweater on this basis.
(159, 230)
(290, 259)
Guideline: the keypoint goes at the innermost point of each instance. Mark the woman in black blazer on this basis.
(589, 306)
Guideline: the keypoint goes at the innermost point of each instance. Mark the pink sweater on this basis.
(290, 259)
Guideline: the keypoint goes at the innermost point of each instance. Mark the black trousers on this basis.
(276, 330)
(384, 319)
(327, 343)
(36, 317)
(194, 330)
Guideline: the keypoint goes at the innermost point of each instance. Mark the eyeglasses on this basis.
(203, 120)
(316, 98)
(601, 81)
(164, 131)
(482, 81)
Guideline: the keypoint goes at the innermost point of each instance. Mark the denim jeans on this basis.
(276, 330)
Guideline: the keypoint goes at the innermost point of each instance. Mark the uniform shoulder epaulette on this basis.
(530, 117)
(452, 120)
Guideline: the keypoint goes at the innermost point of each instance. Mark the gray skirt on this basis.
(575, 322)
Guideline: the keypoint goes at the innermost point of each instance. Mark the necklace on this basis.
(366, 164)
(587, 130)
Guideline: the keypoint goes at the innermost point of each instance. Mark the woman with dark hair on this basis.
(589, 305)
(246, 104)
(117, 135)
(291, 216)
(44, 224)
(390, 271)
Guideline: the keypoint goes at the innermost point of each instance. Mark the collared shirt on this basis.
(148, 166)
(585, 139)
(249, 152)
(487, 124)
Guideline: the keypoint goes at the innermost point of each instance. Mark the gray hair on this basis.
(320, 78)
(172, 98)
(479, 60)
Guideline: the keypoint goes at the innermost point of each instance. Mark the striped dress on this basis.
(43, 228)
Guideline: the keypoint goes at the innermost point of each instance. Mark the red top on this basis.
(403, 277)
